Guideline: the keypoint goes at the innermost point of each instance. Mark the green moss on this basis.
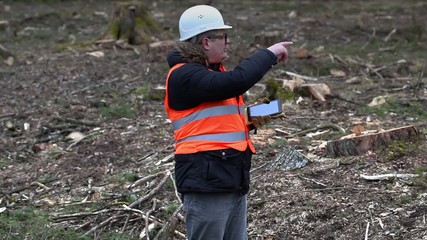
(30, 223)
(170, 209)
(131, 198)
(275, 90)
(421, 170)
(130, 177)
(146, 92)
(398, 149)
(421, 180)
(347, 160)
(404, 199)
(120, 111)
(4, 162)
(46, 178)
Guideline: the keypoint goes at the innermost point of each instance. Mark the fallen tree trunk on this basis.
(356, 145)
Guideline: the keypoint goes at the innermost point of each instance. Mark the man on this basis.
(205, 105)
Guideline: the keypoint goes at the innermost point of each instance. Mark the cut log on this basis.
(356, 145)
(317, 90)
(132, 23)
(289, 159)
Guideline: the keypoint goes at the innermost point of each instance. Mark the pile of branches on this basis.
(137, 217)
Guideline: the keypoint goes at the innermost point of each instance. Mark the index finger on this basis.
(286, 43)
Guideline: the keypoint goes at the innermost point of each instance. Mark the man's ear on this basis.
(205, 43)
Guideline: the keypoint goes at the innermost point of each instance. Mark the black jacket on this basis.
(222, 170)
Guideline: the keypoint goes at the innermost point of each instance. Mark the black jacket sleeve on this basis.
(194, 83)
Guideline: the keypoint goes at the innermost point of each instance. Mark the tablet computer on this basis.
(274, 107)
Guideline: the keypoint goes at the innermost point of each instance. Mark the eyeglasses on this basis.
(221, 36)
(225, 36)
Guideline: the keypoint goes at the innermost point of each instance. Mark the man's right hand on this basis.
(259, 121)
(279, 49)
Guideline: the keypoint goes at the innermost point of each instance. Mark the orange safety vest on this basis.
(210, 125)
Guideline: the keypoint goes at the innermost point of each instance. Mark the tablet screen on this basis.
(264, 109)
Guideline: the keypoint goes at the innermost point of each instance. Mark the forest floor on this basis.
(85, 144)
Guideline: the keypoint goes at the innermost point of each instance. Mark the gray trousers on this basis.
(215, 216)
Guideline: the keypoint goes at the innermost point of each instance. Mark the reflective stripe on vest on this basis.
(220, 137)
(208, 112)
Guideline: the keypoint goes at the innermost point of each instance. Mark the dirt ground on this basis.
(54, 87)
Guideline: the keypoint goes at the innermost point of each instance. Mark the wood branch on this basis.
(125, 224)
(166, 159)
(145, 233)
(175, 189)
(307, 78)
(367, 231)
(7, 115)
(347, 188)
(20, 189)
(371, 69)
(148, 227)
(387, 176)
(152, 192)
(103, 211)
(75, 121)
(105, 222)
(4, 53)
(148, 157)
(326, 126)
(96, 85)
(91, 134)
(389, 35)
(312, 180)
(36, 183)
(401, 61)
(356, 145)
(169, 227)
(145, 179)
(339, 59)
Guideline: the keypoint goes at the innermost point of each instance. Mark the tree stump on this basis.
(356, 145)
(132, 23)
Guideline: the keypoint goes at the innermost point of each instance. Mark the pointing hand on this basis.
(279, 49)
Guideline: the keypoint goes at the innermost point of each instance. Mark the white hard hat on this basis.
(200, 19)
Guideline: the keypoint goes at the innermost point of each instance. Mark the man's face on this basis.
(216, 46)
